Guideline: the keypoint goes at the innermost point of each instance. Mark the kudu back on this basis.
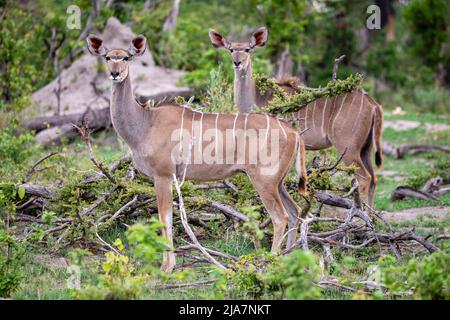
(351, 122)
(172, 141)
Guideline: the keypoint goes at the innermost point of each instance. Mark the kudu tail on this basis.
(377, 130)
(300, 166)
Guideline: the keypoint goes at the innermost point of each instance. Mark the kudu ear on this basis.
(138, 45)
(259, 37)
(217, 39)
(95, 45)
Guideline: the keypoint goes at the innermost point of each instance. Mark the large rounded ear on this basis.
(259, 37)
(217, 39)
(138, 45)
(95, 45)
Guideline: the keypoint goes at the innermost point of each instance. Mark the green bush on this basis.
(118, 281)
(428, 278)
(15, 147)
(440, 168)
(147, 244)
(263, 275)
(12, 258)
(428, 23)
(296, 276)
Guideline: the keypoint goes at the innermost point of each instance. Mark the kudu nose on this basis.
(114, 74)
(236, 63)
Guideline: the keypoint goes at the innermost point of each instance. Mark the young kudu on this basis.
(351, 122)
(171, 141)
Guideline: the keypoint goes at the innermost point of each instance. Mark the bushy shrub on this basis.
(118, 281)
(428, 278)
(12, 257)
(292, 277)
(441, 168)
(147, 244)
(296, 276)
(428, 23)
(15, 147)
(219, 96)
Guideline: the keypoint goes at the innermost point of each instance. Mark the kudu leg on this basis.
(271, 198)
(163, 190)
(362, 175)
(293, 212)
(366, 156)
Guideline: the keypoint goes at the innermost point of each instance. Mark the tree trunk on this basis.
(171, 20)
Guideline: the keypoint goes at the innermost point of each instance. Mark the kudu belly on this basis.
(314, 120)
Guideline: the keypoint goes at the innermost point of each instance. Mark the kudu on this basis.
(351, 122)
(166, 139)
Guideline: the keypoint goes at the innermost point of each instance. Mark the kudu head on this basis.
(240, 51)
(117, 59)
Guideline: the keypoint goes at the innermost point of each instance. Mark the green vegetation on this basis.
(284, 104)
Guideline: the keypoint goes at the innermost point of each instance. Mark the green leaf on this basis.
(21, 192)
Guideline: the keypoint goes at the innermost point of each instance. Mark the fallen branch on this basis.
(399, 152)
(226, 209)
(184, 285)
(403, 192)
(431, 190)
(37, 163)
(188, 229)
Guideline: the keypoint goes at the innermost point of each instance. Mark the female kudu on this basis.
(171, 141)
(351, 122)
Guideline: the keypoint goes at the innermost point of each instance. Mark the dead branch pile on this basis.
(362, 227)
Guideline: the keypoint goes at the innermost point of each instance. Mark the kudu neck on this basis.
(129, 119)
(245, 89)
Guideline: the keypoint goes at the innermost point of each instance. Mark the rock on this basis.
(87, 75)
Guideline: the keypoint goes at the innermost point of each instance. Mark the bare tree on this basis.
(171, 20)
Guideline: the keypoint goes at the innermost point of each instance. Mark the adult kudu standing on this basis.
(351, 122)
(172, 141)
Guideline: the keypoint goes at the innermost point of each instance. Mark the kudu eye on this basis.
(231, 50)
(247, 50)
(126, 58)
(107, 58)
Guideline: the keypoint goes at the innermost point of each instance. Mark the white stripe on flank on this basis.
(298, 157)
(323, 116)
(313, 118)
(359, 112)
(339, 111)
(284, 132)
(234, 125)
(332, 112)
(306, 116)
(181, 129)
